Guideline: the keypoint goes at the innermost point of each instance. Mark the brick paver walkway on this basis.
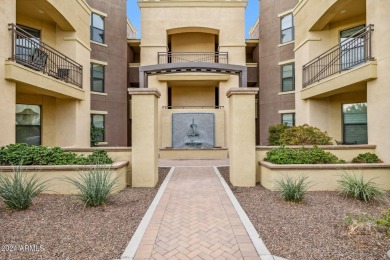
(195, 220)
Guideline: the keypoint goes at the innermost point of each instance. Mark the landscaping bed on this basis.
(314, 229)
(60, 227)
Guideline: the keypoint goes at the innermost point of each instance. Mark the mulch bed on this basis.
(64, 229)
(313, 229)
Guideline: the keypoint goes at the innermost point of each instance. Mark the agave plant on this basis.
(94, 186)
(18, 190)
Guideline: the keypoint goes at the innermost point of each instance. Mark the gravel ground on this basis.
(313, 229)
(64, 229)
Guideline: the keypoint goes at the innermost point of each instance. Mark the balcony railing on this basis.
(180, 57)
(351, 52)
(33, 53)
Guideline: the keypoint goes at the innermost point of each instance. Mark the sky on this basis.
(251, 15)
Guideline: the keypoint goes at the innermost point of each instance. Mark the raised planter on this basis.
(55, 175)
(323, 177)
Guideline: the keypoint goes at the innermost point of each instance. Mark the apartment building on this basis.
(108, 68)
(193, 59)
(342, 63)
(44, 83)
(276, 65)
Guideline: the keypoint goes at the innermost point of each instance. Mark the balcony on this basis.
(34, 54)
(196, 57)
(345, 65)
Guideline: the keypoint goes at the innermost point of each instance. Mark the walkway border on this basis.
(135, 241)
(258, 243)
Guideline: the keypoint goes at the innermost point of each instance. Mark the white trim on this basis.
(99, 93)
(95, 11)
(98, 43)
(102, 143)
(98, 112)
(251, 65)
(286, 93)
(135, 241)
(99, 62)
(291, 111)
(286, 43)
(134, 65)
(258, 243)
(286, 62)
(285, 13)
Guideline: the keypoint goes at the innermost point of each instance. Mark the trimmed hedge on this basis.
(24, 154)
(297, 135)
(367, 158)
(283, 155)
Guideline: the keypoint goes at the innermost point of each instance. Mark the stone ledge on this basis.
(347, 166)
(144, 91)
(324, 147)
(91, 149)
(242, 91)
(41, 168)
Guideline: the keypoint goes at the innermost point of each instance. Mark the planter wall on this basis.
(55, 175)
(324, 177)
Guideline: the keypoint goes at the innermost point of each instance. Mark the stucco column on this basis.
(144, 137)
(242, 139)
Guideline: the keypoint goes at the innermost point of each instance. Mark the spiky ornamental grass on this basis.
(18, 191)
(292, 189)
(353, 185)
(95, 186)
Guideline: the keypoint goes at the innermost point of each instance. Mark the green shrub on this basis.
(366, 158)
(354, 185)
(23, 154)
(304, 135)
(95, 186)
(384, 221)
(275, 132)
(292, 189)
(283, 155)
(18, 191)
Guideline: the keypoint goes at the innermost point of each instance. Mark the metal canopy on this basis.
(170, 68)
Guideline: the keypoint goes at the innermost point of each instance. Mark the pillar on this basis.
(144, 137)
(242, 136)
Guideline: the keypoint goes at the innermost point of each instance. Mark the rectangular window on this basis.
(97, 28)
(355, 123)
(352, 47)
(97, 77)
(288, 77)
(288, 119)
(287, 28)
(98, 121)
(28, 124)
(27, 42)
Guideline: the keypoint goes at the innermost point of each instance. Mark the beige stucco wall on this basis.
(199, 22)
(323, 178)
(166, 124)
(64, 25)
(54, 176)
(193, 95)
(345, 152)
(193, 42)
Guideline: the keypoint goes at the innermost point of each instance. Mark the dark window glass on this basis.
(97, 77)
(352, 48)
(97, 28)
(288, 119)
(28, 124)
(355, 123)
(287, 28)
(98, 122)
(288, 78)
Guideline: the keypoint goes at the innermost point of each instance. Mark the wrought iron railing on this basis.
(37, 55)
(353, 51)
(180, 57)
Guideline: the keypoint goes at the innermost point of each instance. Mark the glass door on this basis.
(352, 48)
